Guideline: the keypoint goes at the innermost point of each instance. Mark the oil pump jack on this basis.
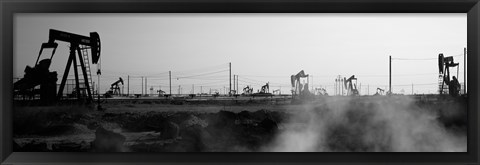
(351, 87)
(247, 90)
(299, 88)
(444, 64)
(160, 93)
(379, 92)
(321, 92)
(263, 92)
(265, 89)
(277, 91)
(39, 74)
(115, 88)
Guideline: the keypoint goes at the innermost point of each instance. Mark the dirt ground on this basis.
(332, 124)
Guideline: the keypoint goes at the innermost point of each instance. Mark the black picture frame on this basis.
(9, 8)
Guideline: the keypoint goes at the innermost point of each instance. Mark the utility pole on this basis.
(464, 70)
(360, 89)
(308, 80)
(237, 83)
(193, 89)
(170, 77)
(128, 85)
(312, 82)
(146, 93)
(335, 88)
(390, 76)
(142, 86)
(342, 86)
(234, 83)
(98, 88)
(230, 79)
(338, 86)
(412, 88)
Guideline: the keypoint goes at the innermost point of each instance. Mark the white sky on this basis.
(261, 47)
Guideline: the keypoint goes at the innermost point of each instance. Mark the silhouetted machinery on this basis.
(265, 89)
(40, 74)
(247, 90)
(115, 88)
(351, 86)
(380, 91)
(452, 85)
(277, 91)
(160, 93)
(321, 92)
(299, 89)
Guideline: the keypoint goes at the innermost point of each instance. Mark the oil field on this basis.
(221, 108)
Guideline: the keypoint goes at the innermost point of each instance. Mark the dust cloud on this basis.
(372, 124)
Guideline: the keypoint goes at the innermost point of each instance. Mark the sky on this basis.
(197, 49)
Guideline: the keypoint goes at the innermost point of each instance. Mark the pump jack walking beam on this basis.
(75, 41)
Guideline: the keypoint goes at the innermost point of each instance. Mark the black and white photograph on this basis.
(240, 82)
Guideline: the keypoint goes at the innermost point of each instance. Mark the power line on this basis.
(416, 84)
(273, 83)
(412, 59)
(253, 80)
(400, 75)
(212, 77)
(220, 66)
(204, 78)
(157, 78)
(263, 76)
(212, 82)
(250, 82)
(403, 84)
(202, 74)
(165, 74)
